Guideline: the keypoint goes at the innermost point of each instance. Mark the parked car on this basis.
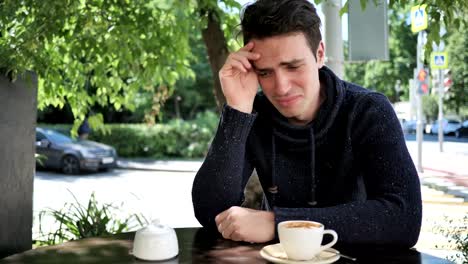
(449, 126)
(410, 126)
(463, 130)
(72, 156)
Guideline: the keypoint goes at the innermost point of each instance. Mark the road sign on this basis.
(439, 60)
(423, 81)
(418, 18)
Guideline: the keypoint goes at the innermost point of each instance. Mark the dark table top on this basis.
(196, 245)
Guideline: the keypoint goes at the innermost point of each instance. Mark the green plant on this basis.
(76, 221)
(175, 139)
(457, 234)
(40, 158)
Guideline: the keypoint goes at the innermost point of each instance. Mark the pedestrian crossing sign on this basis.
(418, 18)
(439, 60)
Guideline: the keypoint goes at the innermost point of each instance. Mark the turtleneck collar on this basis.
(305, 136)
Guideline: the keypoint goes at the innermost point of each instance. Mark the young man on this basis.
(324, 149)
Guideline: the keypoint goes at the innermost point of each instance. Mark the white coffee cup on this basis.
(302, 240)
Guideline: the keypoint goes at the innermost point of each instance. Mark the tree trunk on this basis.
(216, 47)
(18, 107)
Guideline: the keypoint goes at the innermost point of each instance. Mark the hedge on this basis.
(175, 139)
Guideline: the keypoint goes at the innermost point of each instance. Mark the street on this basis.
(435, 138)
(155, 194)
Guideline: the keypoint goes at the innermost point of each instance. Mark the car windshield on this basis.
(453, 122)
(57, 137)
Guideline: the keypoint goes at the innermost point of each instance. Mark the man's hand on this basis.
(243, 224)
(239, 80)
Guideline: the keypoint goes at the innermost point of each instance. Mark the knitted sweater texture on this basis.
(348, 169)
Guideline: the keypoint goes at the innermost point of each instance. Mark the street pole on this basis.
(333, 36)
(441, 115)
(419, 123)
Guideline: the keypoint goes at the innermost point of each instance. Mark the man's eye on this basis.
(263, 73)
(292, 67)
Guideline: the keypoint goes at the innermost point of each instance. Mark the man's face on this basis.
(288, 74)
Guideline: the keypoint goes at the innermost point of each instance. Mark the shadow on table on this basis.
(198, 245)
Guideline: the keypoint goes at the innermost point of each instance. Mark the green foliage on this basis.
(442, 14)
(175, 139)
(192, 95)
(457, 234)
(178, 138)
(430, 106)
(40, 158)
(383, 75)
(457, 47)
(225, 12)
(77, 221)
(94, 51)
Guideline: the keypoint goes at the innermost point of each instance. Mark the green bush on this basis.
(77, 221)
(456, 230)
(175, 139)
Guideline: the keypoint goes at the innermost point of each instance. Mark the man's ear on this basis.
(320, 55)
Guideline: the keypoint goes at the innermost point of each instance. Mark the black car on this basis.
(59, 151)
(463, 130)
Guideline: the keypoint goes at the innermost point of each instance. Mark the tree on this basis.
(441, 13)
(116, 47)
(192, 95)
(430, 107)
(383, 75)
(218, 33)
(457, 44)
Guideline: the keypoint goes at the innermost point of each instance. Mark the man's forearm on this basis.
(219, 183)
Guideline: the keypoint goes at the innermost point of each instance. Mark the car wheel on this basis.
(457, 134)
(70, 165)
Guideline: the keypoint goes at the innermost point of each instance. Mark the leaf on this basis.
(344, 9)
(363, 4)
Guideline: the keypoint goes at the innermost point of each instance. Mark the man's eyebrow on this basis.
(284, 63)
(291, 62)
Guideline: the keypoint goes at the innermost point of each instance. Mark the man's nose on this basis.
(282, 84)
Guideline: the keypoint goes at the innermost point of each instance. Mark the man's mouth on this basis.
(288, 101)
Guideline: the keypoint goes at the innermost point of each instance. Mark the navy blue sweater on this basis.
(348, 169)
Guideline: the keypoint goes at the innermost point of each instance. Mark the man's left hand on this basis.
(244, 224)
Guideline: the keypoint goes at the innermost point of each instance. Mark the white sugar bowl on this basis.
(155, 242)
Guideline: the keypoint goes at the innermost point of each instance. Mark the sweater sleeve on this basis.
(392, 213)
(220, 182)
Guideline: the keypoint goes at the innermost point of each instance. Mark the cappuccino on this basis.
(302, 225)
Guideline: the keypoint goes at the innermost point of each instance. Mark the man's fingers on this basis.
(236, 236)
(238, 66)
(244, 58)
(246, 54)
(220, 217)
(248, 46)
(228, 229)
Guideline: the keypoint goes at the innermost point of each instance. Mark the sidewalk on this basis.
(445, 171)
(159, 165)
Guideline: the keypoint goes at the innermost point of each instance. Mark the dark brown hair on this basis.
(269, 18)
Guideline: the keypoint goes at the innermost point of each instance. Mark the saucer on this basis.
(276, 254)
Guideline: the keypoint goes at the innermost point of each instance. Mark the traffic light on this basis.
(448, 80)
(423, 81)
